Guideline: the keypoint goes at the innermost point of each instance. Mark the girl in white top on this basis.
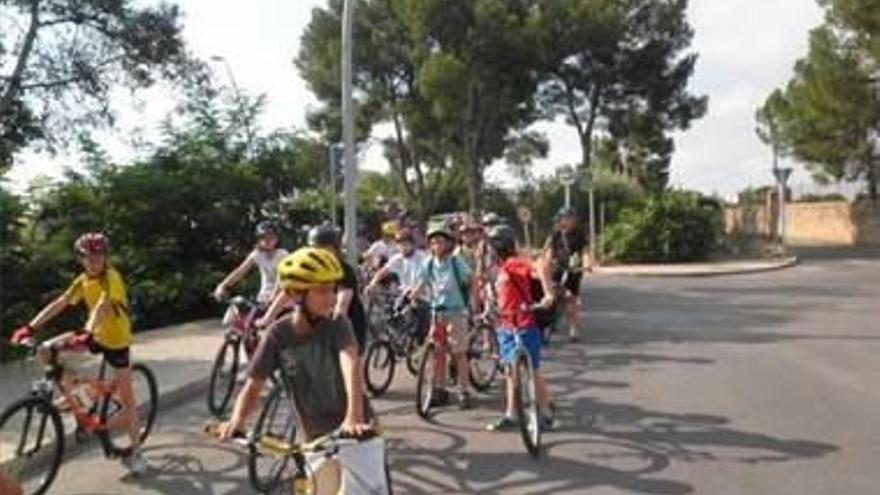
(265, 257)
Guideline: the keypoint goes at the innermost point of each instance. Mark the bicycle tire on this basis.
(219, 390)
(413, 357)
(147, 410)
(425, 380)
(264, 425)
(379, 353)
(483, 353)
(48, 416)
(527, 404)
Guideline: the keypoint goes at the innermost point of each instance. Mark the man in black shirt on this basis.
(566, 251)
(348, 300)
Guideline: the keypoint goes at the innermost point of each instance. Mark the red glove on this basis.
(22, 335)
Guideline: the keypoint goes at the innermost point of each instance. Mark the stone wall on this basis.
(835, 223)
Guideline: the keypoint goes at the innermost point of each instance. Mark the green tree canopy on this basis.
(60, 59)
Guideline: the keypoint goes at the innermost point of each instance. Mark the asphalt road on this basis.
(759, 384)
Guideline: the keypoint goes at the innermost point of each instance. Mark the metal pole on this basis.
(592, 225)
(568, 195)
(601, 222)
(350, 184)
(782, 215)
(334, 163)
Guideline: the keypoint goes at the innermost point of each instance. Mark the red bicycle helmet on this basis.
(91, 243)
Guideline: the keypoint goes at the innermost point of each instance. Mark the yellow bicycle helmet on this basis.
(389, 229)
(307, 268)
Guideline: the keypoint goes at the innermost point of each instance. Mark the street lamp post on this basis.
(350, 183)
(336, 156)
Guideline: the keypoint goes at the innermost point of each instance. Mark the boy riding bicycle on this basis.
(107, 330)
(514, 298)
(317, 356)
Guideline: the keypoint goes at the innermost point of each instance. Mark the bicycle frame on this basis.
(239, 321)
(96, 387)
(328, 445)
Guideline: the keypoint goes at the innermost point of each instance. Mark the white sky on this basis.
(746, 47)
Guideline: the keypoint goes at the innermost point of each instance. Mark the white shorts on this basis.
(363, 466)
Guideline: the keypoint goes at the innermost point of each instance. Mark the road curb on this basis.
(183, 393)
(683, 271)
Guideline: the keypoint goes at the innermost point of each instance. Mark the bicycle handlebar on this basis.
(325, 443)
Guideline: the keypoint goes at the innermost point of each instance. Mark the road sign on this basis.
(524, 214)
(782, 174)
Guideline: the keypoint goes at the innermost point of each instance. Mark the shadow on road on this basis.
(178, 468)
(620, 446)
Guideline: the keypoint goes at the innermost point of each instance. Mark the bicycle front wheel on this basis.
(117, 441)
(379, 363)
(527, 404)
(223, 376)
(276, 420)
(425, 380)
(31, 444)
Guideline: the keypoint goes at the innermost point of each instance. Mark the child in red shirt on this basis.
(514, 297)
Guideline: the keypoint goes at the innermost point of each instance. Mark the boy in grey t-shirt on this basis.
(310, 370)
(321, 369)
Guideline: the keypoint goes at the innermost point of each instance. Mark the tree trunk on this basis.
(587, 136)
(872, 179)
(474, 184)
(27, 46)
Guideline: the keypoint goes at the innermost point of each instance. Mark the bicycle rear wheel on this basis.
(31, 444)
(223, 376)
(483, 358)
(527, 404)
(117, 442)
(379, 363)
(414, 346)
(276, 420)
(425, 380)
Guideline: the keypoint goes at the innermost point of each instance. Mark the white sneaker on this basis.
(135, 463)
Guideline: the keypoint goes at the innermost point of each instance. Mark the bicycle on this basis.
(401, 339)
(276, 420)
(477, 353)
(93, 404)
(305, 480)
(525, 395)
(238, 322)
(379, 307)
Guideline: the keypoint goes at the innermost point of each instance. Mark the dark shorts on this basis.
(116, 358)
(573, 283)
(571, 280)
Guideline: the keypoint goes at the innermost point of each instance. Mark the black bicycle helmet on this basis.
(502, 239)
(565, 211)
(324, 236)
(265, 227)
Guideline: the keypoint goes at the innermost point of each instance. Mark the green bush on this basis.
(671, 227)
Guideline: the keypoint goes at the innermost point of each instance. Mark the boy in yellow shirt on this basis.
(107, 330)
